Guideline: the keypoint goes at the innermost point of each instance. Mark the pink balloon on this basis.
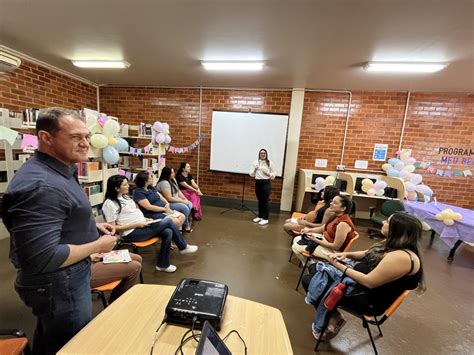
(371, 192)
(403, 174)
(167, 139)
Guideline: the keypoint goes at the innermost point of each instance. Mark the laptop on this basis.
(210, 343)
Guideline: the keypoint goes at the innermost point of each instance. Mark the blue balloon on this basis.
(110, 155)
(393, 172)
(122, 144)
(393, 161)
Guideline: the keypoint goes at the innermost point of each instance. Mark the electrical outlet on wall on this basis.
(340, 167)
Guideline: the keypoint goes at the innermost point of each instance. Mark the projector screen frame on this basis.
(254, 112)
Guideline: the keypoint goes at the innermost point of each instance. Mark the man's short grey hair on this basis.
(48, 119)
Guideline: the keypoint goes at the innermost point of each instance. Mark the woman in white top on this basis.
(121, 211)
(262, 170)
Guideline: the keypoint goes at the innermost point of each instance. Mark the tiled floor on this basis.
(253, 262)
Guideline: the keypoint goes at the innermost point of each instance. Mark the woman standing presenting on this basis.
(262, 171)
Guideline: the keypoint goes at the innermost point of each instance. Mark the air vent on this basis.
(8, 62)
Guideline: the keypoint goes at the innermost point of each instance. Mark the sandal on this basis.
(333, 333)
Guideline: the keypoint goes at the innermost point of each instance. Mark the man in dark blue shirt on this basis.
(53, 232)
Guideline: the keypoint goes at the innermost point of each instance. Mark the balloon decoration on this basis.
(403, 168)
(160, 133)
(105, 136)
(321, 183)
(372, 189)
(448, 216)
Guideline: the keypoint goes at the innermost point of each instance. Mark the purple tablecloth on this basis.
(463, 229)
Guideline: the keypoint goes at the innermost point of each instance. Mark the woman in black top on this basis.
(190, 188)
(382, 272)
(320, 215)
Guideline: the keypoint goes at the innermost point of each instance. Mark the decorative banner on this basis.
(189, 148)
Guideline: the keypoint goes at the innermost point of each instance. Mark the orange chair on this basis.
(309, 256)
(136, 245)
(16, 344)
(104, 288)
(367, 320)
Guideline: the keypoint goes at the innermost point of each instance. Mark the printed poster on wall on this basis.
(380, 152)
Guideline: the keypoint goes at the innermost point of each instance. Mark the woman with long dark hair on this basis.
(151, 203)
(169, 188)
(380, 274)
(332, 236)
(262, 170)
(190, 188)
(120, 211)
(320, 214)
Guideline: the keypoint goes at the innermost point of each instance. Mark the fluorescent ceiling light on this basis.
(404, 67)
(237, 66)
(101, 64)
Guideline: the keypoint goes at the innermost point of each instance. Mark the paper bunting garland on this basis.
(187, 149)
(431, 169)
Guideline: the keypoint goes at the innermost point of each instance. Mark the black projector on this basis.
(197, 299)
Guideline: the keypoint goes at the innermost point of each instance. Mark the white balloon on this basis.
(111, 128)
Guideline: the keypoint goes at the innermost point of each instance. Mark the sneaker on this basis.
(170, 268)
(263, 222)
(189, 249)
(256, 220)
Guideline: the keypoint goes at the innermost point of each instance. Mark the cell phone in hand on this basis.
(318, 236)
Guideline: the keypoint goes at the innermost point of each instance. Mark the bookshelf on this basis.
(13, 156)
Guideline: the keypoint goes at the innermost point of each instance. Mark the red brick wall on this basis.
(35, 86)
(433, 120)
(443, 120)
(180, 108)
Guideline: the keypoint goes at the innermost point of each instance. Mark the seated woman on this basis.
(151, 203)
(378, 277)
(336, 233)
(190, 189)
(102, 274)
(120, 211)
(320, 214)
(169, 188)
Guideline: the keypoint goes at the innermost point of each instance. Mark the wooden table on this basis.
(128, 326)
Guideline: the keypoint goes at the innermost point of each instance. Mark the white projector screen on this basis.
(237, 137)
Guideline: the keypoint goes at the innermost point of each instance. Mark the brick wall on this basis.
(180, 108)
(433, 120)
(35, 86)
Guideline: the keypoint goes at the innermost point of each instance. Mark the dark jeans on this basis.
(167, 231)
(262, 190)
(60, 300)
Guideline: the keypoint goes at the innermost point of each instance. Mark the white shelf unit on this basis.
(9, 165)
